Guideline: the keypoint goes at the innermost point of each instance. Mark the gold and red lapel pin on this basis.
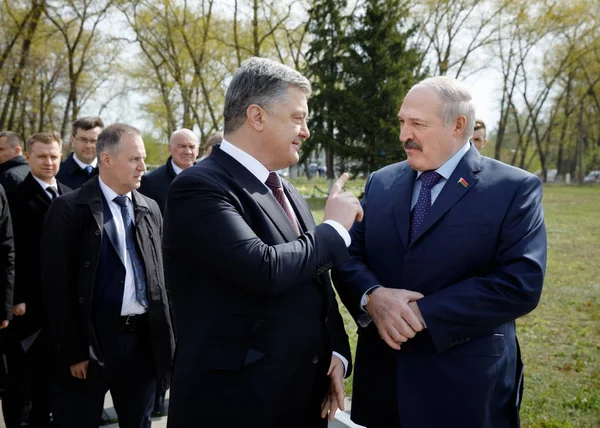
(463, 182)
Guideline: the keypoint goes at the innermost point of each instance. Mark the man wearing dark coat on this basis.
(25, 400)
(13, 166)
(257, 323)
(183, 148)
(7, 261)
(102, 273)
(81, 164)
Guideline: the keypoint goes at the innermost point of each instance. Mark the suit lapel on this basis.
(259, 192)
(401, 200)
(110, 229)
(41, 197)
(453, 190)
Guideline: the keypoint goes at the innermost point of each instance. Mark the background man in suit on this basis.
(255, 316)
(25, 401)
(81, 164)
(183, 148)
(102, 272)
(451, 251)
(13, 166)
(479, 137)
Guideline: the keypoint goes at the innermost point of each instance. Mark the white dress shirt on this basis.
(176, 169)
(46, 185)
(261, 173)
(130, 304)
(82, 164)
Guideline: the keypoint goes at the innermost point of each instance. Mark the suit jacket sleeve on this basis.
(7, 259)
(241, 257)
(354, 278)
(511, 290)
(59, 247)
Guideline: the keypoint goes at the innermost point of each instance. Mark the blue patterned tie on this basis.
(428, 180)
(138, 266)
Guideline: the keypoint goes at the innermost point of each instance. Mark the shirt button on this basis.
(315, 360)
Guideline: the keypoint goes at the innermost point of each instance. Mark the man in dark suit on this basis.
(255, 316)
(7, 262)
(13, 165)
(451, 252)
(102, 274)
(81, 164)
(183, 148)
(25, 401)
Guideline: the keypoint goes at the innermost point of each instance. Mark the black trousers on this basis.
(128, 374)
(26, 396)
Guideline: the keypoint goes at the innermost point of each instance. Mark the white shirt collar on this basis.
(46, 185)
(252, 164)
(109, 193)
(82, 164)
(175, 167)
(450, 165)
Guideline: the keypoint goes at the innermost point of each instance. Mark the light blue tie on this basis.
(138, 265)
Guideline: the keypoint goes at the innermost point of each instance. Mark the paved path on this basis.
(342, 419)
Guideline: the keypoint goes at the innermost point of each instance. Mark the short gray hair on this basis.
(456, 100)
(12, 139)
(262, 82)
(110, 138)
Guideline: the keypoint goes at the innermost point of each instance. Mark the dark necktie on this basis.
(274, 184)
(88, 169)
(52, 191)
(136, 261)
(428, 180)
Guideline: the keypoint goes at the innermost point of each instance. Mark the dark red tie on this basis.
(274, 184)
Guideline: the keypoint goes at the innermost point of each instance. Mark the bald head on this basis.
(183, 147)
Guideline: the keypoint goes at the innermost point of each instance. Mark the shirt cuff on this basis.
(341, 230)
(344, 360)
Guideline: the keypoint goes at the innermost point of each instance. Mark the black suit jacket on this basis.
(156, 184)
(77, 265)
(252, 301)
(28, 205)
(13, 172)
(72, 175)
(7, 259)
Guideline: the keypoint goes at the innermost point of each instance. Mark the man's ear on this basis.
(255, 115)
(460, 126)
(105, 159)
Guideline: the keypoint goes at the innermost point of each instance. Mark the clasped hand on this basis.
(396, 314)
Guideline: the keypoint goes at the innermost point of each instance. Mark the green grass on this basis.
(560, 339)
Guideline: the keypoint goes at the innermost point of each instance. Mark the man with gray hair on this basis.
(257, 323)
(102, 273)
(183, 149)
(13, 166)
(451, 251)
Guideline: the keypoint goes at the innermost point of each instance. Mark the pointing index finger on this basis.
(339, 184)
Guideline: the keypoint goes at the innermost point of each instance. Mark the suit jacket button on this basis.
(315, 360)
(87, 264)
(81, 299)
(97, 233)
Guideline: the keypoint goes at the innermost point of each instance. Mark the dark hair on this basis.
(262, 82)
(480, 125)
(44, 138)
(86, 123)
(12, 138)
(110, 138)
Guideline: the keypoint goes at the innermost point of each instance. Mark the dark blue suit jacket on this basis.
(479, 259)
